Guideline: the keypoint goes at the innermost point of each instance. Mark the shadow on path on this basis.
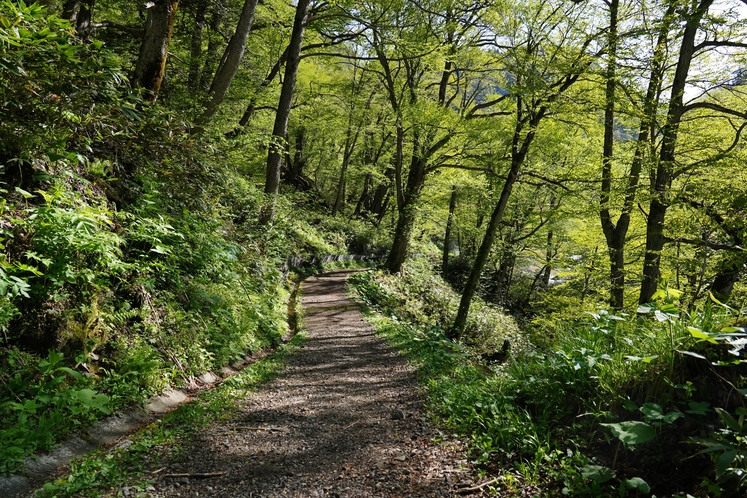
(344, 420)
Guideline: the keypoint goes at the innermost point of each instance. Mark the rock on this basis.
(208, 378)
(166, 401)
(13, 485)
(397, 414)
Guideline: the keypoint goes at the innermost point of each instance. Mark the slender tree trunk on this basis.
(350, 142)
(214, 42)
(230, 61)
(407, 209)
(519, 150)
(195, 48)
(365, 194)
(265, 83)
(731, 270)
(280, 129)
(659, 203)
(151, 63)
(84, 18)
(295, 175)
(616, 234)
(447, 235)
(615, 250)
(470, 286)
(549, 255)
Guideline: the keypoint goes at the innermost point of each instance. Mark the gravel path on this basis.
(344, 420)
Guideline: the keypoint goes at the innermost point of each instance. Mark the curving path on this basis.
(344, 420)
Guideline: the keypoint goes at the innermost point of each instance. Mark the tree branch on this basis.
(706, 243)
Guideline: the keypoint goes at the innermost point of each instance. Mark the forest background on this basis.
(579, 164)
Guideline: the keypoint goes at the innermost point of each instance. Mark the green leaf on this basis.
(670, 417)
(728, 330)
(693, 354)
(597, 473)
(632, 432)
(89, 397)
(701, 336)
(637, 483)
(24, 193)
(698, 407)
(728, 420)
(644, 359)
(653, 411)
(723, 462)
(71, 372)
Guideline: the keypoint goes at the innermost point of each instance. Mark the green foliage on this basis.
(42, 113)
(420, 296)
(728, 447)
(40, 401)
(539, 414)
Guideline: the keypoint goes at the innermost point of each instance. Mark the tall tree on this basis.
(280, 129)
(230, 61)
(195, 46)
(667, 168)
(546, 57)
(616, 232)
(154, 50)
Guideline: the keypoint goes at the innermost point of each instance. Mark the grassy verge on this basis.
(99, 473)
(649, 405)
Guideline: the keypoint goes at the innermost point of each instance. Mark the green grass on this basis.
(604, 406)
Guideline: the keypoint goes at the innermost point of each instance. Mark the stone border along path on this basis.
(345, 419)
(41, 467)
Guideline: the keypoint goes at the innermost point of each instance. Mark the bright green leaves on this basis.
(91, 399)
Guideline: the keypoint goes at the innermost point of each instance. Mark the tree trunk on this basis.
(549, 255)
(151, 63)
(214, 41)
(470, 286)
(350, 142)
(84, 18)
(230, 62)
(364, 198)
(519, 151)
(280, 129)
(295, 174)
(447, 235)
(265, 83)
(195, 49)
(70, 10)
(615, 234)
(659, 202)
(729, 273)
(407, 209)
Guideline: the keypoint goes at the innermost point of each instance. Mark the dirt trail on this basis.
(344, 420)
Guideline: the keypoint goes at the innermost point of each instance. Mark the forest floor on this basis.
(345, 419)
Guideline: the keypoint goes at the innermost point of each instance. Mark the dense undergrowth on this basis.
(131, 257)
(646, 405)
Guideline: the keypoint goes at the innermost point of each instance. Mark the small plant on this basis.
(44, 404)
(728, 447)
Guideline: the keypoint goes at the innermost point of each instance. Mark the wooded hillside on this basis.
(579, 164)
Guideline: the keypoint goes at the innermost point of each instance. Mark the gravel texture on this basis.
(344, 420)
